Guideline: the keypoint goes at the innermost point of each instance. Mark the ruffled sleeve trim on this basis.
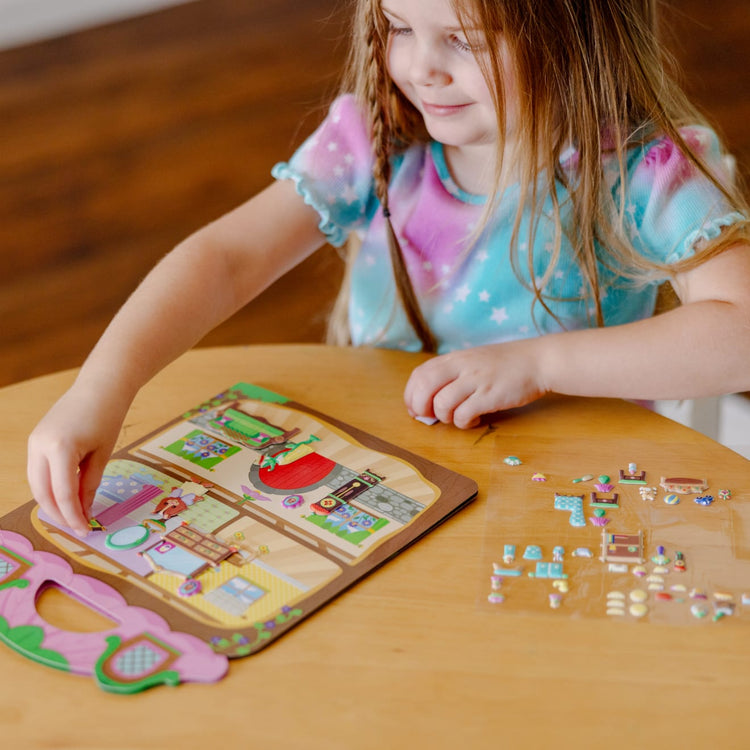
(709, 231)
(335, 235)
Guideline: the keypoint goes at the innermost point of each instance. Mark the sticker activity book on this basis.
(216, 534)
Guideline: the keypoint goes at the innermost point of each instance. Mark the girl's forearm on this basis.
(203, 281)
(699, 349)
(174, 307)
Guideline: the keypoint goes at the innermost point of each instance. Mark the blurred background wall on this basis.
(121, 139)
(25, 21)
(120, 134)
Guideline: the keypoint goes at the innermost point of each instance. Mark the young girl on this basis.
(520, 176)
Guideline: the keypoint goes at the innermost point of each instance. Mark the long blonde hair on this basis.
(592, 74)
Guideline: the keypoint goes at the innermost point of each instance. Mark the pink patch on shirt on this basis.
(437, 231)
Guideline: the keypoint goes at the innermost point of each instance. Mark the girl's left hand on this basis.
(461, 386)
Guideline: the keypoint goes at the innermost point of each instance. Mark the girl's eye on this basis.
(460, 44)
(398, 30)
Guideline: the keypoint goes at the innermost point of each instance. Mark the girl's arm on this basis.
(223, 266)
(699, 349)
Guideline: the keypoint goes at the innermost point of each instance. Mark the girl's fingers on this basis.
(90, 477)
(64, 484)
(423, 384)
(41, 490)
(469, 412)
(450, 397)
(415, 402)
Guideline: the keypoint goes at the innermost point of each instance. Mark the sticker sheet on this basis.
(624, 530)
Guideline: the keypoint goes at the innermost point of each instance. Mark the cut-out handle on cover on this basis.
(138, 652)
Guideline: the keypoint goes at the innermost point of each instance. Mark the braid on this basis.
(378, 94)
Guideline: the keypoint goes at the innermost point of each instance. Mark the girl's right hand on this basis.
(462, 386)
(68, 451)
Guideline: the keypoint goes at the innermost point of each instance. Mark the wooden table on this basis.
(407, 657)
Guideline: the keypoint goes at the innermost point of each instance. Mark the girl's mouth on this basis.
(443, 110)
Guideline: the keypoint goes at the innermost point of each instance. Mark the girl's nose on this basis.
(426, 66)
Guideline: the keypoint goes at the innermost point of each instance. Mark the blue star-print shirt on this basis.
(467, 289)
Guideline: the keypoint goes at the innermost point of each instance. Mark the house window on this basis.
(236, 595)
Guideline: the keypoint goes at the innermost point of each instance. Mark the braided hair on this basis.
(378, 92)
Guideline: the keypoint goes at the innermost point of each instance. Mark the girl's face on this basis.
(433, 63)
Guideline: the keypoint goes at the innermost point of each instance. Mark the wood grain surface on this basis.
(408, 657)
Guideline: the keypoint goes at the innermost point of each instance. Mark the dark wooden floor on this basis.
(117, 142)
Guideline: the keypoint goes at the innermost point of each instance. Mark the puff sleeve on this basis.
(671, 206)
(332, 171)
